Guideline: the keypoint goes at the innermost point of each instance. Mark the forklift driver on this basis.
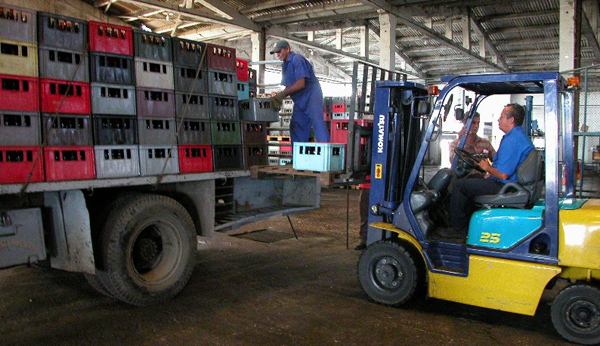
(513, 150)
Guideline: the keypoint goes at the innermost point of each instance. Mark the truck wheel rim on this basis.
(388, 273)
(583, 315)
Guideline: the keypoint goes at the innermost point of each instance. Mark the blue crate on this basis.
(320, 157)
(243, 91)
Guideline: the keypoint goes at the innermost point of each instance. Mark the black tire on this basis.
(95, 281)
(576, 314)
(387, 273)
(149, 244)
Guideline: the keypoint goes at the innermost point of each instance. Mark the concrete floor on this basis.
(244, 292)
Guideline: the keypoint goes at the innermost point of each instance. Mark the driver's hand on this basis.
(462, 132)
(484, 164)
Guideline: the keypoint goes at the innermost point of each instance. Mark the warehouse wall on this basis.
(70, 8)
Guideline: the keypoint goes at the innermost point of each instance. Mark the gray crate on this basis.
(186, 81)
(155, 102)
(67, 129)
(222, 83)
(193, 132)
(115, 130)
(18, 24)
(62, 32)
(258, 109)
(153, 159)
(223, 108)
(63, 64)
(112, 68)
(152, 73)
(189, 53)
(156, 131)
(152, 46)
(191, 106)
(116, 161)
(113, 99)
(20, 128)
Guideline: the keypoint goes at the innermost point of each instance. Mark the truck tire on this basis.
(148, 248)
(576, 314)
(387, 273)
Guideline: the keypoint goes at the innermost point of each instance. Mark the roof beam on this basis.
(266, 5)
(588, 33)
(400, 52)
(476, 25)
(139, 15)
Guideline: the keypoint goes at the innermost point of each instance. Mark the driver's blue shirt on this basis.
(513, 150)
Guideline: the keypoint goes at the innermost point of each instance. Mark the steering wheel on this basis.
(468, 159)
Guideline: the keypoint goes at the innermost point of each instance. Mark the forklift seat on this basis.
(530, 177)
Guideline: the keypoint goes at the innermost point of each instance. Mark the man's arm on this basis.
(485, 165)
(294, 88)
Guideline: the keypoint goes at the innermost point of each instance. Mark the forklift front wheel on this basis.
(387, 273)
(576, 314)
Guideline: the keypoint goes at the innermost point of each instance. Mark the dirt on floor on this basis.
(243, 292)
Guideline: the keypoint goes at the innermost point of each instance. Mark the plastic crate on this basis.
(62, 32)
(226, 133)
(195, 158)
(152, 73)
(287, 107)
(243, 91)
(228, 157)
(194, 132)
(272, 161)
(284, 161)
(340, 116)
(18, 24)
(189, 53)
(254, 133)
(255, 155)
(328, 104)
(17, 162)
(112, 69)
(156, 131)
(252, 78)
(64, 64)
(152, 46)
(222, 83)
(113, 99)
(320, 157)
(241, 67)
(339, 129)
(69, 163)
(258, 109)
(117, 161)
(18, 56)
(157, 160)
(220, 58)
(338, 108)
(186, 81)
(61, 96)
(19, 93)
(67, 129)
(191, 106)
(115, 130)
(155, 103)
(20, 128)
(110, 38)
(223, 108)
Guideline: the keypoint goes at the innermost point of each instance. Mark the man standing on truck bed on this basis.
(303, 87)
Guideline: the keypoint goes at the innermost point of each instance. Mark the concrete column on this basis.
(259, 41)
(482, 46)
(364, 41)
(338, 39)
(569, 36)
(466, 32)
(387, 37)
(448, 25)
(311, 36)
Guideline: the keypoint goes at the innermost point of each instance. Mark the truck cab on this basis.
(520, 241)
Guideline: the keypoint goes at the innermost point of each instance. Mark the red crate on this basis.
(195, 158)
(76, 100)
(16, 162)
(19, 93)
(220, 58)
(339, 129)
(242, 70)
(69, 163)
(110, 38)
(339, 108)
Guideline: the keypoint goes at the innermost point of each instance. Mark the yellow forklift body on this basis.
(579, 236)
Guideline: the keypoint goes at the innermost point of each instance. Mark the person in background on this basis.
(303, 87)
(474, 144)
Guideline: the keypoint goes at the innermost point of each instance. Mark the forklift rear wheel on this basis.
(387, 273)
(576, 314)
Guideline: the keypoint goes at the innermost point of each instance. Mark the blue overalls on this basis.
(308, 102)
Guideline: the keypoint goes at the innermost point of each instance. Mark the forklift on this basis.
(520, 242)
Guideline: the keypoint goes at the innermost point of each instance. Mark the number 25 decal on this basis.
(492, 238)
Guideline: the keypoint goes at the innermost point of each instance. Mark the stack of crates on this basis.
(113, 100)
(21, 158)
(192, 106)
(340, 108)
(155, 99)
(339, 133)
(252, 83)
(223, 99)
(243, 85)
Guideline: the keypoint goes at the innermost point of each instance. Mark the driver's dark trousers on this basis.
(463, 192)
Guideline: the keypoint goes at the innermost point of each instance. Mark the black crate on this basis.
(255, 155)
(115, 130)
(228, 157)
(254, 132)
(193, 132)
(189, 53)
(186, 81)
(67, 129)
(152, 46)
(62, 32)
(112, 68)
